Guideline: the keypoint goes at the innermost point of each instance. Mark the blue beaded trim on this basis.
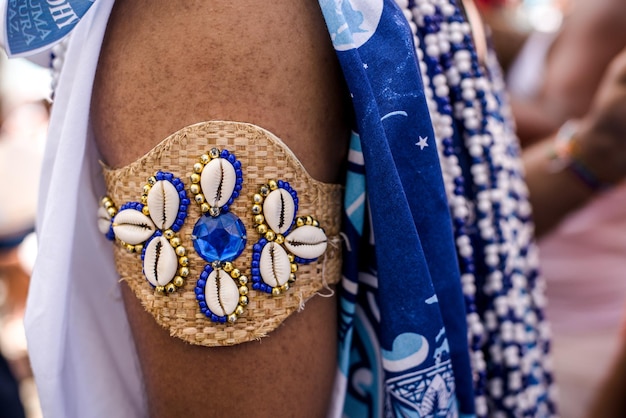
(182, 194)
(255, 272)
(199, 290)
(204, 308)
(238, 172)
(286, 186)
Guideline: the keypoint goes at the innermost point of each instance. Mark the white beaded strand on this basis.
(512, 332)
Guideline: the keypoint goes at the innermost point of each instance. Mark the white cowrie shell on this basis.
(132, 226)
(104, 220)
(274, 265)
(221, 293)
(279, 210)
(163, 203)
(160, 262)
(218, 181)
(306, 242)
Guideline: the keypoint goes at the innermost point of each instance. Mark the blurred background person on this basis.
(24, 116)
(552, 80)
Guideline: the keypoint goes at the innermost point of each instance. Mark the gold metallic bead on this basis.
(159, 289)
(214, 152)
(270, 235)
(309, 220)
(264, 190)
(243, 290)
(112, 212)
(146, 188)
(232, 318)
(257, 198)
(261, 229)
(316, 223)
(204, 159)
(183, 271)
(145, 210)
(199, 198)
(243, 280)
(198, 167)
(259, 219)
(178, 281)
(227, 267)
(284, 287)
(257, 209)
(175, 242)
(169, 234)
(300, 221)
(184, 261)
(243, 300)
(279, 239)
(292, 277)
(238, 310)
(294, 267)
(138, 248)
(272, 184)
(130, 248)
(195, 178)
(144, 199)
(152, 180)
(276, 291)
(205, 207)
(195, 188)
(214, 211)
(106, 200)
(170, 288)
(235, 273)
(291, 257)
(180, 250)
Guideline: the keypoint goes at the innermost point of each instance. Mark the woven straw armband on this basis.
(221, 233)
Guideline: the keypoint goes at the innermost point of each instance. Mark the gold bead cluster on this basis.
(110, 207)
(196, 189)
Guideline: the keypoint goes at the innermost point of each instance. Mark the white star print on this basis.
(365, 66)
(422, 143)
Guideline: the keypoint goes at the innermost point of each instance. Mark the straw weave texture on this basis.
(263, 157)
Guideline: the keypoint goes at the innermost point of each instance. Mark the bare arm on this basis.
(602, 148)
(165, 65)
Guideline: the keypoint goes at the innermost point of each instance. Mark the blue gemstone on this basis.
(222, 238)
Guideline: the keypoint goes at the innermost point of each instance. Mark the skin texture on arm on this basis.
(592, 36)
(165, 65)
(601, 143)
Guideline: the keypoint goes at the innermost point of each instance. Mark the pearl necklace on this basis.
(483, 177)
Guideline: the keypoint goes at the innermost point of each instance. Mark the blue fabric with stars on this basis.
(403, 346)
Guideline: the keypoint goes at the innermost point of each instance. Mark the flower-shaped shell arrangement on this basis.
(286, 240)
(219, 236)
(151, 227)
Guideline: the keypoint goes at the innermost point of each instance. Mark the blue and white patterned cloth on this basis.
(403, 348)
(403, 331)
